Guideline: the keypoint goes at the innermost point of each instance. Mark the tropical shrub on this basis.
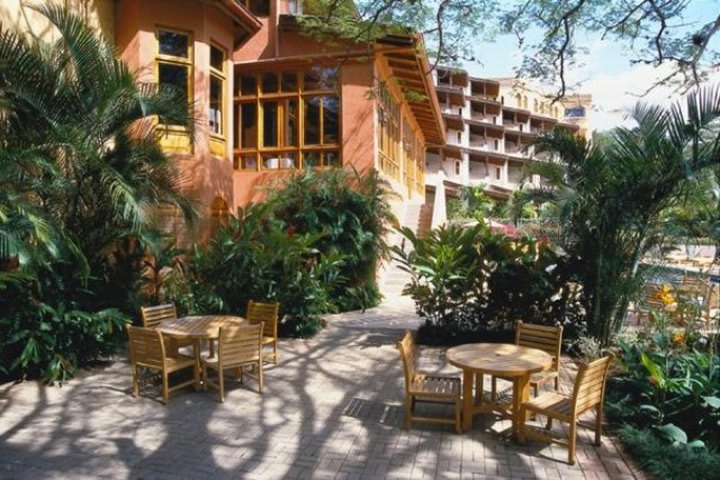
(350, 213)
(312, 246)
(469, 283)
(668, 460)
(82, 175)
(610, 196)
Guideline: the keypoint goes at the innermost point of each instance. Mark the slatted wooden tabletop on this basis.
(198, 326)
(499, 359)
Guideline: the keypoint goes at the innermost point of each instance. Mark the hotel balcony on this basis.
(483, 143)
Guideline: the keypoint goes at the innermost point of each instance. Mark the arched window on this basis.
(525, 102)
(457, 168)
(219, 214)
(518, 99)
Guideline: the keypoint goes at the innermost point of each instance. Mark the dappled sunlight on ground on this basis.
(332, 408)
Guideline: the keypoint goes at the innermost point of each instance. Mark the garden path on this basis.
(331, 409)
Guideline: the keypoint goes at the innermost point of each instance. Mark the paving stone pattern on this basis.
(332, 408)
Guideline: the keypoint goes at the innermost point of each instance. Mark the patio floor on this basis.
(332, 409)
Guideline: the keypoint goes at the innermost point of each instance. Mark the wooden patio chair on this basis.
(588, 393)
(698, 291)
(155, 315)
(545, 338)
(266, 313)
(238, 347)
(421, 387)
(147, 350)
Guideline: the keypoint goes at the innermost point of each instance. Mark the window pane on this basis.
(175, 76)
(291, 123)
(247, 161)
(289, 82)
(270, 124)
(248, 85)
(279, 160)
(215, 119)
(312, 120)
(261, 8)
(217, 57)
(331, 159)
(269, 83)
(330, 119)
(175, 44)
(321, 78)
(248, 114)
(311, 159)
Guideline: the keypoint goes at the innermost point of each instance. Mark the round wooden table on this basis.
(197, 328)
(506, 360)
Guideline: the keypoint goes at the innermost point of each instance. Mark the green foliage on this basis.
(49, 341)
(312, 246)
(664, 460)
(81, 175)
(610, 197)
(468, 282)
(349, 213)
(667, 383)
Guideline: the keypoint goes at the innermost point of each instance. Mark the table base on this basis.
(480, 404)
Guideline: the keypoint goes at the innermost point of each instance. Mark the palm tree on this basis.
(80, 165)
(610, 198)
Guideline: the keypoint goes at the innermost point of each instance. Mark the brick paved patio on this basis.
(331, 409)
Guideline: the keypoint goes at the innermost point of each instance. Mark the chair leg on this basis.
(458, 419)
(572, 439)
(548, 425)
(409, 401)
(598, 425)
(275, 352)
(493, 389)
(166, 387)
(557, 383)
(260, 376)
(221, 383)
(136, 381)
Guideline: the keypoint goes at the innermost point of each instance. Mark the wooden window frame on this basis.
(299, 150)
(176, 138)
(177, 61)
(222, 76)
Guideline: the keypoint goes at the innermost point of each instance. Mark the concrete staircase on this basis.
(392, 279)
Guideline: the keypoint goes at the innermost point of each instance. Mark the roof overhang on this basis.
(408, 63)
(247, 24)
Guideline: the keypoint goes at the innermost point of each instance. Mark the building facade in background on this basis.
(268, 100)
(491, 124)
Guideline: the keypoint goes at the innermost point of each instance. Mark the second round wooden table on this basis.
(504, 360)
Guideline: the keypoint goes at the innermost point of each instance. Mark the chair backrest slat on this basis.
(408, 354)
(542, 337)
(590, 384)
(264, 312)
(153, 316)
(238, 345)
(146, 346)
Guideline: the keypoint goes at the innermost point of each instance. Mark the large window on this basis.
(287, 119)
(216, 115)
(174, 61)
(174, 68)
(388, 132)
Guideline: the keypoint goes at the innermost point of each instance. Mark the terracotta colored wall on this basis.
(206, 177)
(358, 116)
(15, 15)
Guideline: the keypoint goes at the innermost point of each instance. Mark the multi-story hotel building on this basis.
(491, 124)
(269, 100)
